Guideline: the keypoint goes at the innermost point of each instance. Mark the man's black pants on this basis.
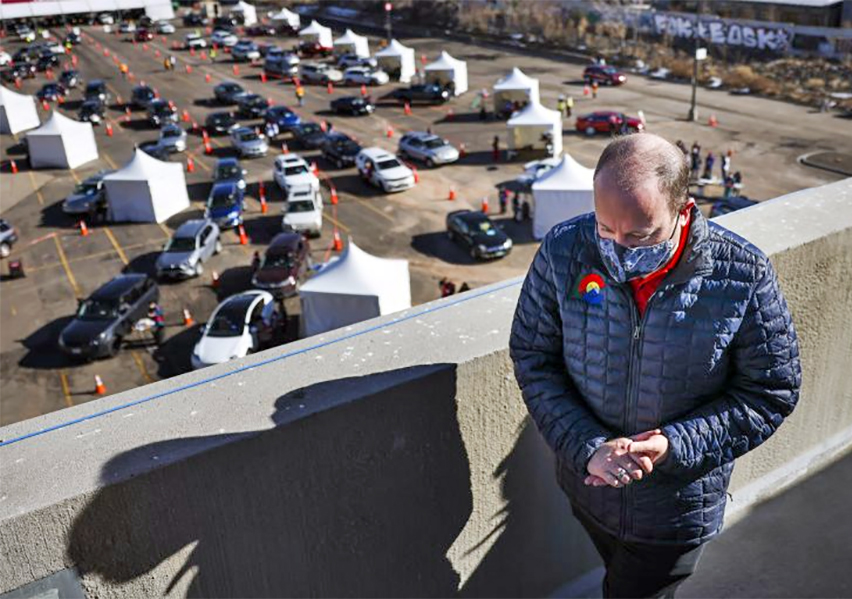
(640, 569)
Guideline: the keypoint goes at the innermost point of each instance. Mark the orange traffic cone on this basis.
(389, 131)
(203, 55)
(585, 90)
(462, 151)
(450, 114)
(207, 78)
(14, 166)
(330, 87)
(214, 280)
(187, 318)
(263, 207)
(407, 109)
(192, 51)
(315, 168)
(84, 230)
(208, 148)
(17, 83)
(284, 148)
(363, 90)
(100, 388)
(485, 205)
(156, 53)
(713, 121)
(190, 164)
(334, 198)
(263, 77)
(127, 114)
(194, 127)
(144, 47)
(243, 237)
(185, 116)
(338, 243)
(416, 174)
(45, 105)
(236, 71)
(188, 69)
(452, 195)
(323, 126)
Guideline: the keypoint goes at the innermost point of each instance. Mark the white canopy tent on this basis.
(248, 10)
(528, 128)
(286, 16)
(318, 33)
(515, 87)
(353, 288)
(562, 193)
(352, 43)
(62, 143)
(397, 58)
(17, 112)
(146, 190)
(448, 70)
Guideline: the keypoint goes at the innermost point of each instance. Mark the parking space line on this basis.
(117, 247)
(165, 231)
(200, 163)
(336, 222)
(66, 390)
(373, 208)
(35, 188)
(109, 160)
(141, 365)
(13, 311)
(92, 256)
(67, 268)
(76, 177)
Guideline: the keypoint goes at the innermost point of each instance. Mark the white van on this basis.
(303, 212)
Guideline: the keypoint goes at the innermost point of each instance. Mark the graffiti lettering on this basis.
(724, 32)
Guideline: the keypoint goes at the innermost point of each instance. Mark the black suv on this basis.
(220, 123)
(107, 316)
(430, 93)
(252, 105)
(96, 88)
(161, 112)
(228, 92)
(353, 105)
(142, 96)
(340, 149)
(475, 231)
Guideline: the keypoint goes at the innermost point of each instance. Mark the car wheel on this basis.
(114, 346)
(430, 163)
(5, 250)
(217, 249)
(199, 269)
(473, 253)
(339, 163)
(451, 236)
(590, 131)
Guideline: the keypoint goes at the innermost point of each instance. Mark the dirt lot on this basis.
(766, 136)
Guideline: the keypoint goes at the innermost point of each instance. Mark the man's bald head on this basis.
(635, 161)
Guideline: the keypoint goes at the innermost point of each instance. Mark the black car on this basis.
(225, 23)
(161, 112)
(21, 70)
(194, 19)
(220, 123)
(96, 89)
(107, 316)
(142, 96)
(260, 29)
(228, 92)
(69, 78)
(92, 111)
(47, 61)
(155, 150)
(72, 38)
(252, 105)
(340, 149)
(354, 105)
(26, 54)
(475, 231)
(431, 93)
(309, 135)
(51, 92)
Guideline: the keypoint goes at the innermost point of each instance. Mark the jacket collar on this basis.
(696, 259)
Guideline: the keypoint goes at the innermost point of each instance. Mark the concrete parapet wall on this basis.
(391, 458)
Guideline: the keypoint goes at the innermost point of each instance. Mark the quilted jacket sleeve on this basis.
(554, 403)
(763, 390)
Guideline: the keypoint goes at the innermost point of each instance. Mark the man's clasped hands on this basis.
(621, 461)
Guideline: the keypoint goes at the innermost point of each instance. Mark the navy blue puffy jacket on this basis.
(714, 362)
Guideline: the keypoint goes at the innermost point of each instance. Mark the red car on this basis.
(604, 74)
(603, 122)
(313, 49)
(143, 35)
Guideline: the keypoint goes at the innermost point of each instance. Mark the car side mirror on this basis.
(245, 172)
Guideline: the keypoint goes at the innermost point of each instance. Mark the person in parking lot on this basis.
(156, 314)
(272, 130)
(652, 348)
(503, 199)
(569, 106)
(300, 95)
(695, 153)
(495, 149)
(708, 165)
(594, 89)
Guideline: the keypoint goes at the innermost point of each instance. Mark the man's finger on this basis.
(646, 463)
(640, 446)
(646, 435)
(635, 471)
(611, 480)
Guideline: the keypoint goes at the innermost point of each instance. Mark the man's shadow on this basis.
(358, 489)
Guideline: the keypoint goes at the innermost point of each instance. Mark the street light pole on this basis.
(388, 9)
(693, 111)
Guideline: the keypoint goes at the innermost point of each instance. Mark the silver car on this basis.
(248, 142)
(172, 138)
(87, 197)
(428, 148)
(193, 243)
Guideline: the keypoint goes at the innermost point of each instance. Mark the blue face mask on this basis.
(623, 263)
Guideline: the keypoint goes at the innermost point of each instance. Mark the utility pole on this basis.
(388, 9)
(698, 53)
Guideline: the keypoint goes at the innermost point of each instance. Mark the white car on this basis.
(240, 325)
(194, 40)
(384, 170)
(353, 60)
(25, 34)
(292, 172)
(165, 28)
(303, 212)
(224, 38)
(105, 19)
(54, 47)
(128, 27)
(245, 50)
(5, 59)
(365, 76)
(319, 73)
(535, 170)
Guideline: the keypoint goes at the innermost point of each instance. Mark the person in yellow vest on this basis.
(569, 106)
(300, 95)
(123, 68)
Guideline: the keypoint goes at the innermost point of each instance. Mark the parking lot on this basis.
(767, 138)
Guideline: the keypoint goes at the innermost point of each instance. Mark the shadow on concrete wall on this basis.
(357, 498)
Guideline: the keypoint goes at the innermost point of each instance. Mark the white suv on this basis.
(292, 172)
(365, 76)
(303, 212)
(384, 170)
(319, 73)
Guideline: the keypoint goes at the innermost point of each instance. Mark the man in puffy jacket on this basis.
(653, 348)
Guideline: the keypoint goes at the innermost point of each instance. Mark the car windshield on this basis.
(227, 323)
(94, 309)
(309, 129)
(228, 171)
(86, 188)
(486, 227)
(390, 163)
(221, 119)
(435, 143)
(249, 136)
(221, 199)
(171, 132)
(278, 260)
(609, 70)
(181, 244)
(300, 206)
(295, 170)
